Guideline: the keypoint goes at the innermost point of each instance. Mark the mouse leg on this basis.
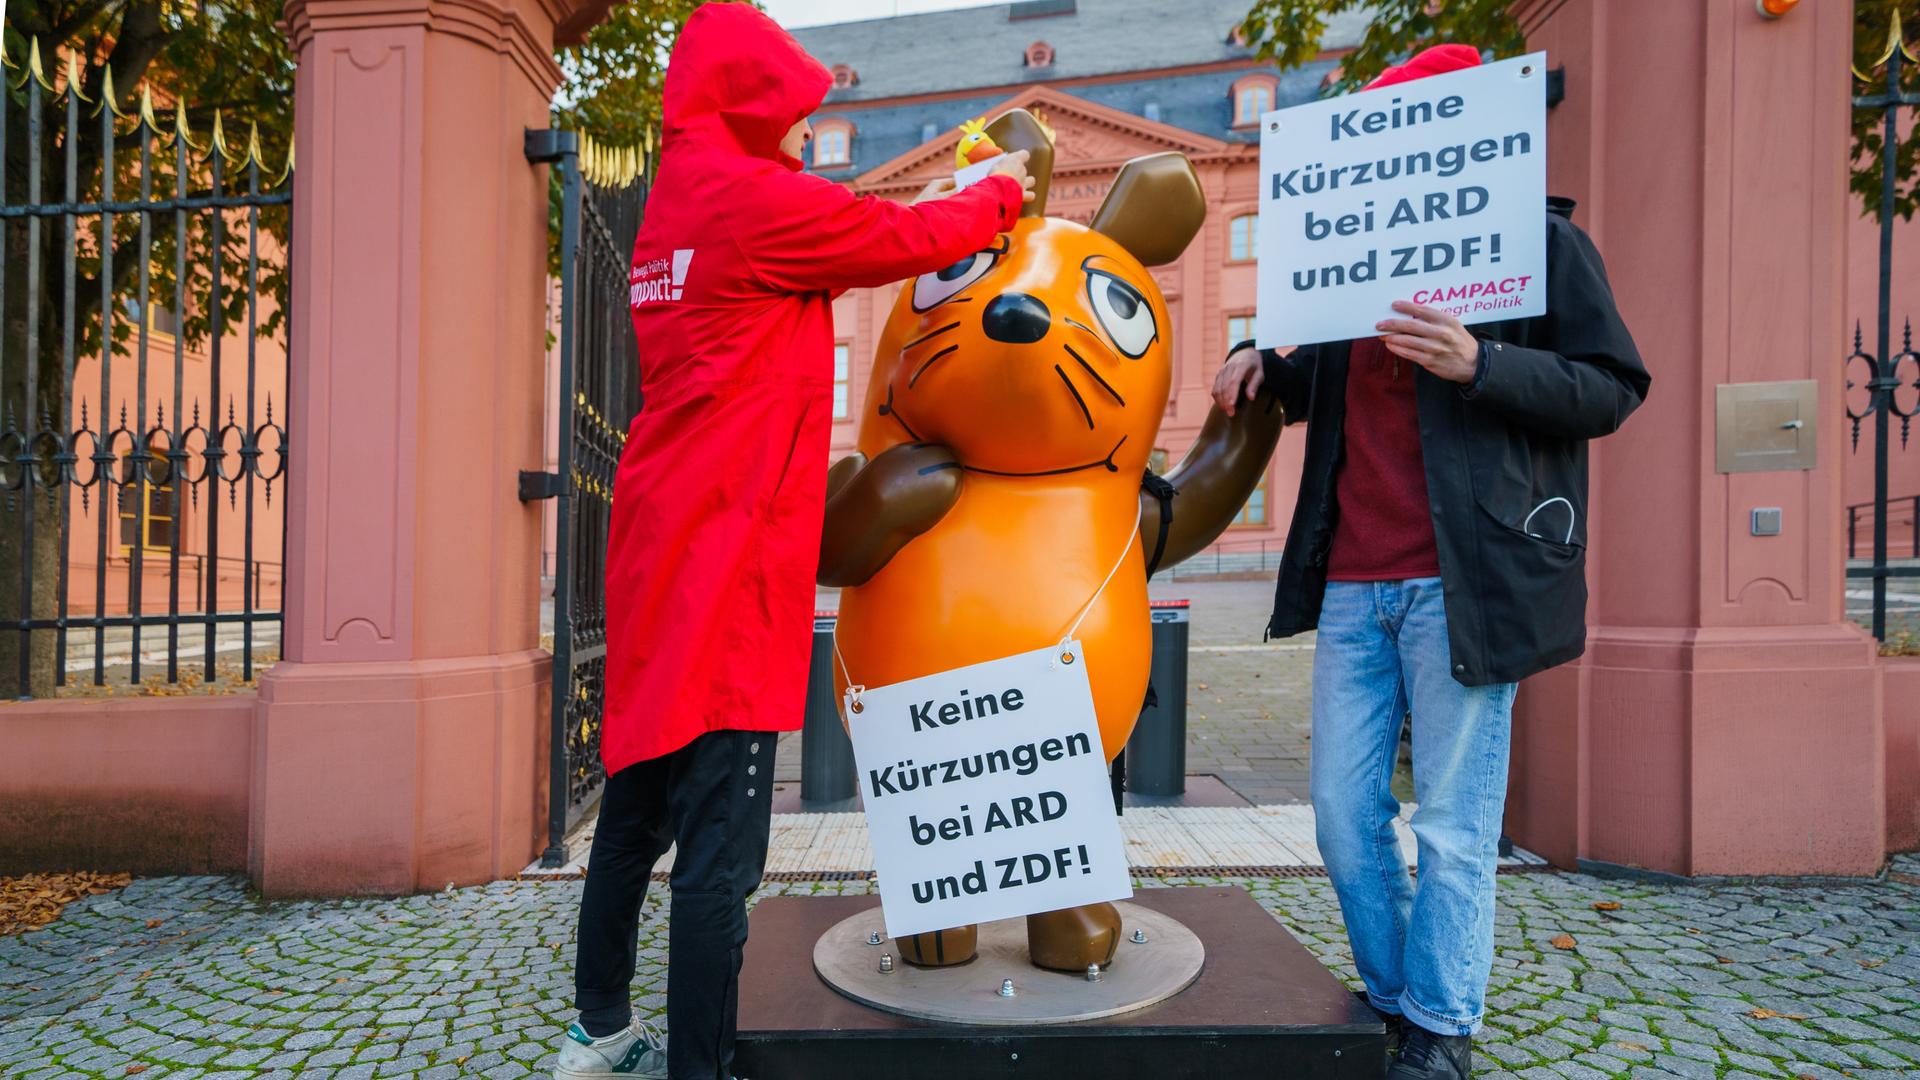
(940, 948)
(1073, 938)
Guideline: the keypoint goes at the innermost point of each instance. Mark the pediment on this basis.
(1086, 135)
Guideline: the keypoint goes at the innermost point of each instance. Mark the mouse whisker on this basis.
(1075, 391)
(923, 367)
(929, 335)
(1104, 385)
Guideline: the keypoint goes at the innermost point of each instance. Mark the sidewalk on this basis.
(190, 977)
(193, 978)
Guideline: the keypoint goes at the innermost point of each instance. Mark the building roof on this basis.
(978, 47)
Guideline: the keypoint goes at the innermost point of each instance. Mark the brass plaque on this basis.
(1766, 426)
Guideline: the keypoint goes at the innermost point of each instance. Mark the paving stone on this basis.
(466, 983)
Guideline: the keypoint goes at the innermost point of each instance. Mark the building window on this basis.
(1241, 232)
(1251, 97)
(1254, 514)
(842, 376)
(1239, 329)
(832, 144)
(844, 76)
(159, 319)
(159, 511)
(1039, 55)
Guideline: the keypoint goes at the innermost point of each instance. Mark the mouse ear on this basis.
(1016, 129)
(1154, 207)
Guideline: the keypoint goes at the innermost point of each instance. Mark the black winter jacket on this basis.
(1506, 464)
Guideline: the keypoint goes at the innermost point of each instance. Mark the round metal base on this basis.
(970, 993)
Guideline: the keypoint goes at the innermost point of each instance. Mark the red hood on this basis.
(737, 80)
(1438, 60)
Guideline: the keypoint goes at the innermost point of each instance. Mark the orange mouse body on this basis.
(995, 505)
(1052, 433)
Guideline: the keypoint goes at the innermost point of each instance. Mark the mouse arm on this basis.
(875, 507)
(1213, 481)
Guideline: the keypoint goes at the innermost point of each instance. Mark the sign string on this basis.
(855, 690)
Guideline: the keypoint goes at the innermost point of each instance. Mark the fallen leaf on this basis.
(1723, 959)
(1606, 905)
(1629, 1045)
(30, 901)
(1769, 1014)
(131, 1069)
(1871, 964)
(1564, 941)
(1202, 686)
(151, 923)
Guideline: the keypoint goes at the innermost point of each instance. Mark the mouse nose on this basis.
(1016, 318)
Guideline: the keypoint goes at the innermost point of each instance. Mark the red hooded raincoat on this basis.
(718, 500)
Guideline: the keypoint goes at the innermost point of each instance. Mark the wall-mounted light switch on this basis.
(1766, 521)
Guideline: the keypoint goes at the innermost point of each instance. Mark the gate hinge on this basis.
(550, 144)
(540, 485)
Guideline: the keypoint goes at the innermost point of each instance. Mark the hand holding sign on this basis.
(1433, 339)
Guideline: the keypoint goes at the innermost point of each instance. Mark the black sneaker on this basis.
(1396, 1025)
(1427, 1056)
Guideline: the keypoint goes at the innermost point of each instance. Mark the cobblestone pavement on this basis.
(189, 977)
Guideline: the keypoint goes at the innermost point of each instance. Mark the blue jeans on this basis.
(1423, 948)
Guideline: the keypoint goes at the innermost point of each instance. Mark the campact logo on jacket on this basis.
(658, 279)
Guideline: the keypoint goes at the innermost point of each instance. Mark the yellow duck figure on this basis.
(975, 144)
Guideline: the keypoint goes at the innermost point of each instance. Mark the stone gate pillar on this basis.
(1727, 718)
(399, 745)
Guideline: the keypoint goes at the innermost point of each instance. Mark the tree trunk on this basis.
(30, 512)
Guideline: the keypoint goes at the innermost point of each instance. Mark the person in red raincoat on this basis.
(717, 511)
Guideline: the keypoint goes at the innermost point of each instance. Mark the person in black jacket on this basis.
(1438, 545)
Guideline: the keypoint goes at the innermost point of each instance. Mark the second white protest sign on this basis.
(1432, 191)
(987, 793)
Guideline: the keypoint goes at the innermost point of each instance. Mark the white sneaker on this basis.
(640, 1050)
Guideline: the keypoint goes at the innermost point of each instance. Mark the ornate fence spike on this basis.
(36, 70)
(182, 130)
(220, 138)
(146, 110)
(76, 81)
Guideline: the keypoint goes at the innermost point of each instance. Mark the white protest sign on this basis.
(987, 793)
(1432, 191)
(974, 173)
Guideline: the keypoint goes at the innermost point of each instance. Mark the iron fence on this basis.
(601, 199)
(1883, 366)
(157, 267)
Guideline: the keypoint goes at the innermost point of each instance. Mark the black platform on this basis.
(1262, 1007)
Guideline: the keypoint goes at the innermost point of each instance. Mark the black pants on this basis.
(714, 798)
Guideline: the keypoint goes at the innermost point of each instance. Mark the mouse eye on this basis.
(932, 290)
(1123, 313)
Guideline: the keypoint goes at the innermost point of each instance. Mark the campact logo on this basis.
(659, 279)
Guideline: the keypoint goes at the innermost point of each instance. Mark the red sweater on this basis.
(1384, 530)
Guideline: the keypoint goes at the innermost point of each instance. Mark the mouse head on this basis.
(1049, 351)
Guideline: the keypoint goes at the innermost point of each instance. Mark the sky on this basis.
(793, 13)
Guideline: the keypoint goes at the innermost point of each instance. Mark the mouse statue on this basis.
(997, 492)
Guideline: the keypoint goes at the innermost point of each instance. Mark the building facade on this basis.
(902, 87)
